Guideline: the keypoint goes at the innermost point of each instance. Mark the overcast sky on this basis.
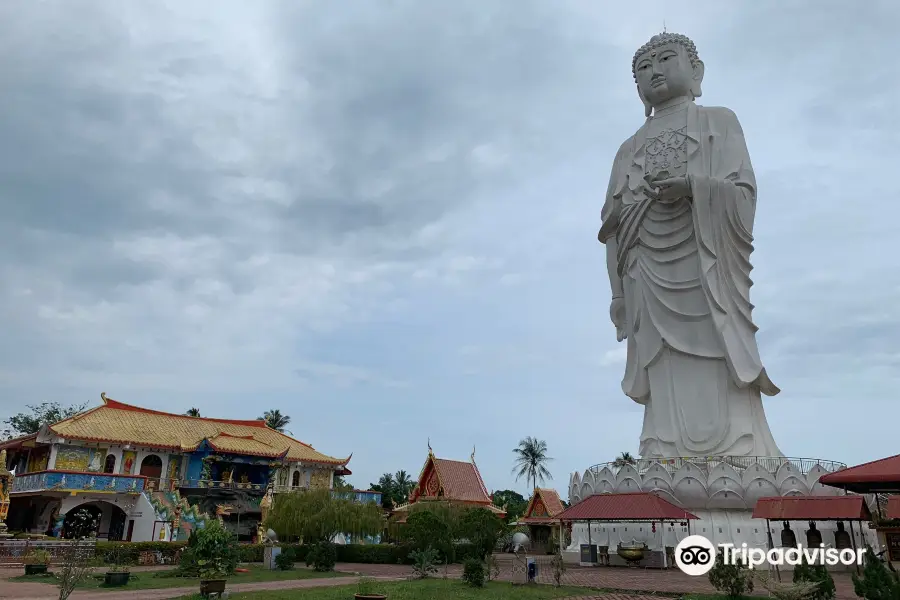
(382, 219)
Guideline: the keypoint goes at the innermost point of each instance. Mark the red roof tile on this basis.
(893, 507)
(885, 470)
(815, 508)
(638, 506)
(461, 481)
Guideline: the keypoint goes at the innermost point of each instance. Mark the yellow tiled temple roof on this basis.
(119, 423)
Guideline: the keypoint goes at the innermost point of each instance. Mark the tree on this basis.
(403, 485)
(482, 528)
(387, 487)
(193, 412)
(531, 457)
(74, 567)
(317, 516)
(624, 459)
(341, 485)
(434, 525)
(514, 502)
(275, 420)
(878, 582)
(42, 414)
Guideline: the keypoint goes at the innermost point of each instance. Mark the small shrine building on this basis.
(454, 482)
(539, 517)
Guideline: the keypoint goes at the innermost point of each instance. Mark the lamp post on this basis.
(5, 485)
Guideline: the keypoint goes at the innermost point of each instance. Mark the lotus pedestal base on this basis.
(721, 491)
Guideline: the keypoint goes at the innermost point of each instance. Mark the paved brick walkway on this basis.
(616, 583)
(613, 596)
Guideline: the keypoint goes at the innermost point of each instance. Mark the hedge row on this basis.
(382, 554)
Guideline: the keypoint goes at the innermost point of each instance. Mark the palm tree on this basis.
(531, 456)
(387, 487)
(275, 420)
(193, 412)
(403, 484)
(624, 459)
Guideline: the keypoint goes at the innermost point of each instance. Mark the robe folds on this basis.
(692, 359)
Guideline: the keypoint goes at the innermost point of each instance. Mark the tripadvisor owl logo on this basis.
(696, 555)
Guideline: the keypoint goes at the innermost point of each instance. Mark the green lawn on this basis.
(145, 580)
(429, 589)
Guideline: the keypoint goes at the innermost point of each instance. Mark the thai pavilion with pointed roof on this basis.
(544, 505)
(455, 482)
(152, 475)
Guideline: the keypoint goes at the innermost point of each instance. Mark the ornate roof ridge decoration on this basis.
(231, 435)
(117, 405)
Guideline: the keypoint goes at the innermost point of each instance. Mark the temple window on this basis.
(109, 466)
(295, 479)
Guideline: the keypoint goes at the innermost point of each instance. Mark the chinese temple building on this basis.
(147, 475)
(543, 506)
(453, 482)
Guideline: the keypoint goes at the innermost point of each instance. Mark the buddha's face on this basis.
(664, 73)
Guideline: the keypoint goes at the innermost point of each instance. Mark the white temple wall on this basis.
(719, 526)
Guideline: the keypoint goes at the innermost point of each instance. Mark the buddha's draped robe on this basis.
(692, 359)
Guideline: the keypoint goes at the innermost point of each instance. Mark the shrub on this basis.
(130, 552)
(482, 528)
(427, 528)
(322, 557)
(559, 567)
(735, 580)
(367, 586)
(473, 572)
(37, 557)
(378, 554)
(877, 582)
(210, 549)
(284, 561)
(424, 562)
(818, 574)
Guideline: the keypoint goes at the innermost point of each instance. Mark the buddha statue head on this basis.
(665, 68)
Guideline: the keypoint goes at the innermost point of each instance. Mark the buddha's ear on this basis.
(699, 70)
(648, 108)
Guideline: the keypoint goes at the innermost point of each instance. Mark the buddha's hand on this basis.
(672, 188)
(617, 316)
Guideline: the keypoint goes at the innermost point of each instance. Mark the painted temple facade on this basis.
(454, 482)
(147, 475)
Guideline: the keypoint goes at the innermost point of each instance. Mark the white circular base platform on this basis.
(721, 491)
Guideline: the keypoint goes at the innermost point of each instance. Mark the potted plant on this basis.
(119, 573)
(117, 576)
(36, 562)
(366, 590)
(212, 576)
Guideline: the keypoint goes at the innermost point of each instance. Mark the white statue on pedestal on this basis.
(678, 229)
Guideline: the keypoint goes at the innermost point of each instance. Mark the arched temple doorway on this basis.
(109, 466)
(151, 468)
(95, 519)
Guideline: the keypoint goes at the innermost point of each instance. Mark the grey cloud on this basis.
(196, 203)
